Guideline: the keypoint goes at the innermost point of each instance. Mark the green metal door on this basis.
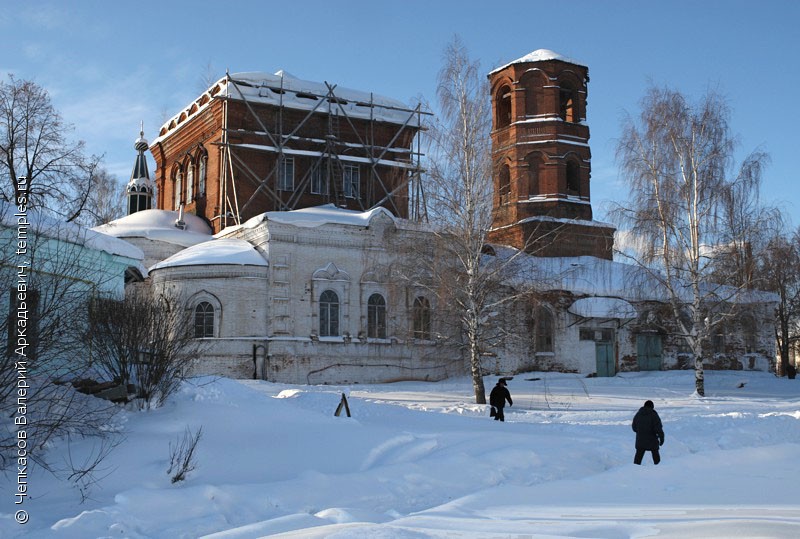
(604, 353)
(648, 352)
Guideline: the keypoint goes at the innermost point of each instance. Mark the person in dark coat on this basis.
(498, 398)
(649, 433)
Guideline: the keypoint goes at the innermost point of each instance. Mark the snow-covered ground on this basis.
(419, 460)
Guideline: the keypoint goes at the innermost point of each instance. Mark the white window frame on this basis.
(319, 179)
(189, 182)
(286, 174)
(178, 188)
(350, 173)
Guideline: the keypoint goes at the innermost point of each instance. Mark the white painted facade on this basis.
(265, 280)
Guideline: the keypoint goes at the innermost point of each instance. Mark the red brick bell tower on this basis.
(541, 159)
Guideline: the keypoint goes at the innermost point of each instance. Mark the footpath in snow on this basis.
(421, 460)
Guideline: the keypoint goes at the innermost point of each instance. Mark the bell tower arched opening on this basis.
(503, 106)
(540, 147)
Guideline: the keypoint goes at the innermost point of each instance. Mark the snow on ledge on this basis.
(327, 214)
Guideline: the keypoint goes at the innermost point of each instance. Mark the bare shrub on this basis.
(143, 342)
(182, 454)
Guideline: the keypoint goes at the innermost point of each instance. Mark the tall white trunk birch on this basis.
(677, 159)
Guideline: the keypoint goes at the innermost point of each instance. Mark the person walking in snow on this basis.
(649, 433)
(498, 398)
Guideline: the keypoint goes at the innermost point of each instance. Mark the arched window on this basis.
(376, 317)
(145, 200)
(178, 188)
(573, 178)
(531, 82)
(504, 184)
(201, 175)
(189, 181)
(544, 326)
(204, 320)
(138, 199)
(534, 172)
(503, 106)
(328, 314)
(567, 108)
(422, 318)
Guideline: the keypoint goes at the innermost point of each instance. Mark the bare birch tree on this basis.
(677, 159)
(107, 200)
(470, 283)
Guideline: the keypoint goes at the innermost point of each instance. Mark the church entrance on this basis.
(648, 352)
(603, 338)
(604, 354)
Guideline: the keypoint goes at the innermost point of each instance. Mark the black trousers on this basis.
(640, 453)
(499, 416)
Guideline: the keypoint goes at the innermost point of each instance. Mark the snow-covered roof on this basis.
(159, 225)
(223, 251)
(600, 278)
(314, 216)
(603, 307)
(591, 276)
(282, 88)
(50, 226)
(539, 55)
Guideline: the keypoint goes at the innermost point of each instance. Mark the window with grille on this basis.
(376, 317)
(328, 314)
(204, 320)
(422, 318)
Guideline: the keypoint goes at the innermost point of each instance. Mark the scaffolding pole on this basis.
(330, 155)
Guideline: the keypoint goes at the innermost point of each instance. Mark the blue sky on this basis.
(110, 65)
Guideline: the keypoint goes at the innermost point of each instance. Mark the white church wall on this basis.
(331, 360)
(272, 313)
(238, 294)
(354, 262)
(155, 251)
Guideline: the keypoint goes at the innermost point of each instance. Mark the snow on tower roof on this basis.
(159, 225)
(539, 55)
(224, 251)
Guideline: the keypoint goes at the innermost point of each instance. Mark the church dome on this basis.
(159, 225)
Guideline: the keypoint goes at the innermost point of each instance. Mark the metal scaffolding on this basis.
(329, 150)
